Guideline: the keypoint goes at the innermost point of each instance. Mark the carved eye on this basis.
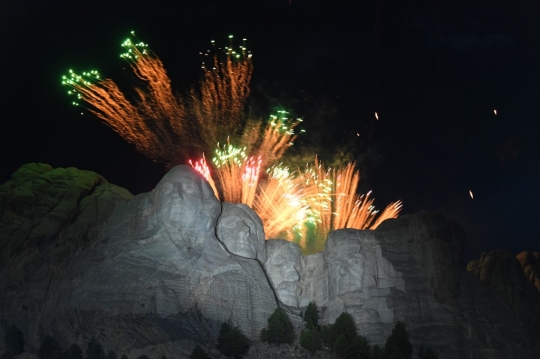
(188, 187)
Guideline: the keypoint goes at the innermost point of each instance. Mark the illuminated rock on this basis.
(156, 273)
(360, 278)
(241, 231)
(502, 271)
(530, 262)
(284, 267)
(40, 202)
(153, 276)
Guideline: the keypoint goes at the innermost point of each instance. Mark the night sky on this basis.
(434, 71)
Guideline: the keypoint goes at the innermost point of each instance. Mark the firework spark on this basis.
(219, 106)
(202, 167)
(335, 204)
(164, 126)
(148, 122)
(281, 204)
(250, 179)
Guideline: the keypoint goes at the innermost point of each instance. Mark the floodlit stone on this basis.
(284, 267)
(159, 272)
(241, 231)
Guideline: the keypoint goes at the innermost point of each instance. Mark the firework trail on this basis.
(219, 105)
(162, 125)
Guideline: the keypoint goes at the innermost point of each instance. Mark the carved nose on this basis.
(292, 276)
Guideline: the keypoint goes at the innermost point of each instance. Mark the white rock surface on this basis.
(241, 231)
(284, 268)
(167, 267)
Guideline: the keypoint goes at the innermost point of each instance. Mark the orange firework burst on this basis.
(163, 126)
(333, 199)
(219, 107)
(155, 123)
(280, 204)
(275, 138)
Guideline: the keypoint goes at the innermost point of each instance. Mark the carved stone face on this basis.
(346, 258)
(241, 231)
(284, 265)
(186, 205)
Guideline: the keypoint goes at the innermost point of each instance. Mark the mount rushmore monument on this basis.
(159, 272)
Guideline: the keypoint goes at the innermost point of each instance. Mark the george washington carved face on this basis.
(186, 206)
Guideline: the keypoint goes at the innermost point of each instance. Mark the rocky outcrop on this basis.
(530, 262)
(39, 202)
(156, 273)
(153, 275)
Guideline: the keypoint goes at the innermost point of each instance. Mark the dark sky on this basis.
(434, 71)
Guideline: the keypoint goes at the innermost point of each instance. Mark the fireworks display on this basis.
(219, 105)
(331, 195)
(281, 205)
(302, 206)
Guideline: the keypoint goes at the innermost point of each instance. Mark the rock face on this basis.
(153, 278)
(156, 273)
(530, 262)
(241, 231)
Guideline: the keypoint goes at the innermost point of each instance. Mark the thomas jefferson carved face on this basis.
(241, 231)
(283, 266)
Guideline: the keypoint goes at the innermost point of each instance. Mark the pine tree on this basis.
(344, 324)
(310, 339)
(426, 353)
(231, 341)
(111, 355)
(376, 352)
(326, 335)
(94, 350)
(73, 352)
(311, 316)
(279, 330)
(14, 340)
(398, 345)
(359, 348)
(340, 346)
(48, 348)
(198, 353)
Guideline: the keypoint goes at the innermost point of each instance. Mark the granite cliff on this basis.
(158, 272)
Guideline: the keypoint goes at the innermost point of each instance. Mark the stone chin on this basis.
(288, 293)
